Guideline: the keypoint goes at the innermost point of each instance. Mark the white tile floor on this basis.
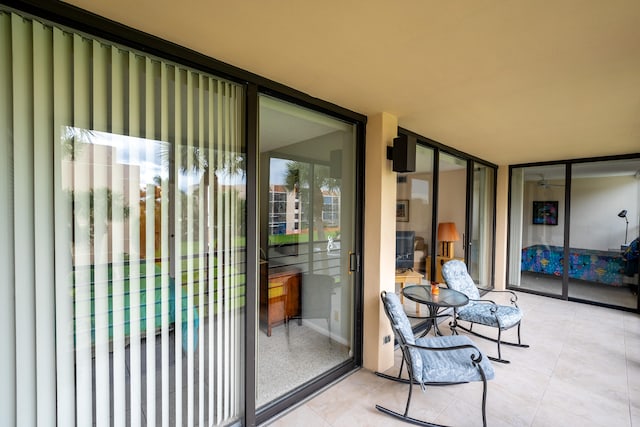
(583, 369)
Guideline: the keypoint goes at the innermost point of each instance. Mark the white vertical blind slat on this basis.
(7, 279)
(63, 184)
(177, 223)
(100, 189)
(201, 248)
(23, 220)
(135, 363)
(191, 153)
(228, 333)
(82, 226)
(150, 226)
(44, 244)
(164, 136)
(118, 241)
(212, 254)
(220, 318)
(237, 341)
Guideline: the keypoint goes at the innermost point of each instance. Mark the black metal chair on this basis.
(482, 311)
(443, 360)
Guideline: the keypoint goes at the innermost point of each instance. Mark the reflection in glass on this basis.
(480, 257)
(597, 260)
(414, 193)
(605, 201)
(306, 221)
(537, 228)
(452, 203)
(150, 232)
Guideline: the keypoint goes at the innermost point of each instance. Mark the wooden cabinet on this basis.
(440, 260)
(279, 296)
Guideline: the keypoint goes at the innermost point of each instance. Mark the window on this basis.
(134, 168)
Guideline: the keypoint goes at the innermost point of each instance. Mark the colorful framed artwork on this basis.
(545, 213)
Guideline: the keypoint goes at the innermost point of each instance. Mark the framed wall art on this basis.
(545, 213)
(402, 210)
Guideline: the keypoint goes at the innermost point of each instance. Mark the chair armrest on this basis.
(514, 297)
(487, 301)
(475, 358)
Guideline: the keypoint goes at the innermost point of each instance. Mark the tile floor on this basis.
(583, 369)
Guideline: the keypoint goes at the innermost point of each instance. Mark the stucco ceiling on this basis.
(507, 81)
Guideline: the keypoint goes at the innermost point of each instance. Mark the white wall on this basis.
(595, 203)
(419, 204)
(452, 202)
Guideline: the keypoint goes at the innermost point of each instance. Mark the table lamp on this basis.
(447, 234)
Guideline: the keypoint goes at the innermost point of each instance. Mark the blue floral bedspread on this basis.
(584, 264)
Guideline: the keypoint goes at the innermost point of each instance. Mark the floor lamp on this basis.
(623, 214)
(447, 234)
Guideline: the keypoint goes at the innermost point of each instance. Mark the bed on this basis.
(604, 267)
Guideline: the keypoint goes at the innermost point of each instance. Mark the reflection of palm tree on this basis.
(84, 205)
(298, 179)
(193, 159)
(73, 141)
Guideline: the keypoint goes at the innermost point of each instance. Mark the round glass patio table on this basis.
(446, 298)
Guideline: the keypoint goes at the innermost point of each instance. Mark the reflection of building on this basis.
(278, 209)
(331, 208)
(288, 210)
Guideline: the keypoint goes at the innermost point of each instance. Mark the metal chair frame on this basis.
(475, 359)
(454, 325)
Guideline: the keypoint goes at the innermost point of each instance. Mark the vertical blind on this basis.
(122, 216)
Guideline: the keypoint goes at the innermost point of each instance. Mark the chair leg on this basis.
(500, 359)
(484, 397)
(497, 341)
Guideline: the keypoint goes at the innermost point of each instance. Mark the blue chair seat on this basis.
(502, 316)
(451, 366)
(482, 311)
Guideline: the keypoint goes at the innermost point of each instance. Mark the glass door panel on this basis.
(150, 234)
(480, 242)
(415, 200)
(452, 202)
(605, 201)
(307, 205)
(536, 258)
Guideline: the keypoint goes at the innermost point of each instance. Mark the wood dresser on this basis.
(279, 295)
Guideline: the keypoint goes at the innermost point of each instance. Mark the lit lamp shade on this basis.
(447, 234)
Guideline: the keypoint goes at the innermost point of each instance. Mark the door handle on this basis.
(354, 262)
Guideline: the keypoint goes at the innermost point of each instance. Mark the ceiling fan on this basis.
(546, 184)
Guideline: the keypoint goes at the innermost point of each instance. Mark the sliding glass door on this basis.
(480, 241)
(537, 228)
(126, 184)
(452, 212)
(445, 216)
(596, 258)
(605, 201)
(307, 226)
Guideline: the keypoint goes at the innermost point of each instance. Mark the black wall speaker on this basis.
(403, 154)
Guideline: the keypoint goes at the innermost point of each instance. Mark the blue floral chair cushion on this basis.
(451, 366)
(502, 316)
(478, 311)
(434, 366)
(400, 322)
(482, 311)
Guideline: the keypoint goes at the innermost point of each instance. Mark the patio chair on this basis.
(481, 311)
(443, 360)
